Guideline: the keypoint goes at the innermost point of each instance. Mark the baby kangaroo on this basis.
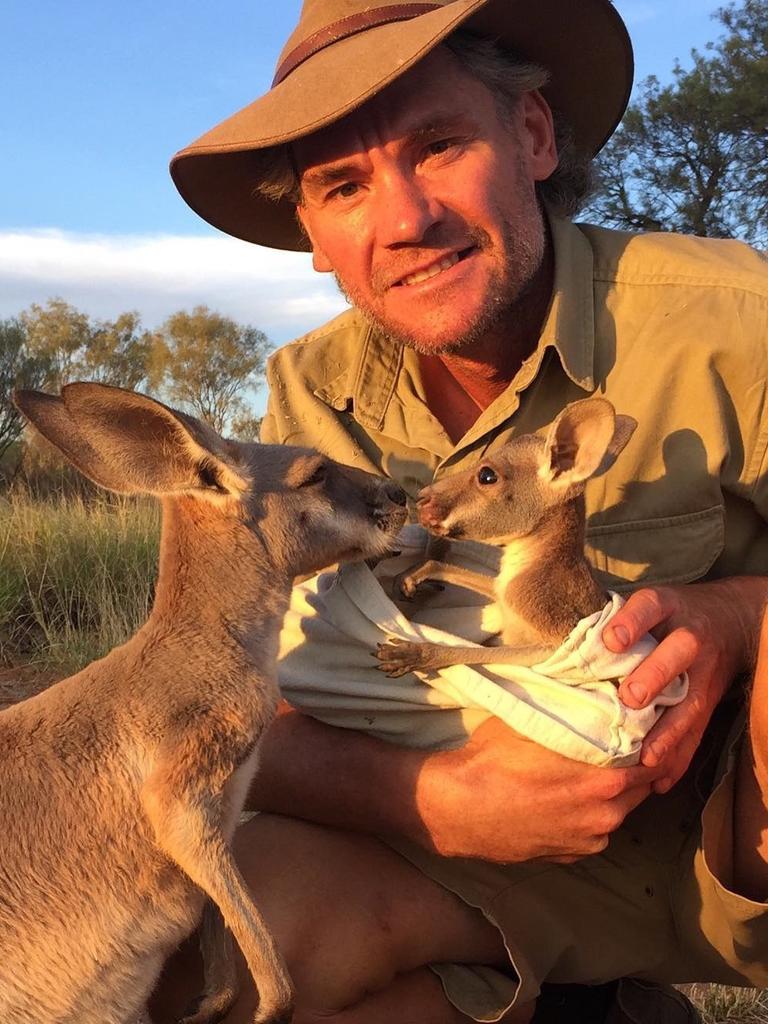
(528, 498)
(122, 785)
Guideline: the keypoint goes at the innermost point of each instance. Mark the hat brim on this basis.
(584, 46)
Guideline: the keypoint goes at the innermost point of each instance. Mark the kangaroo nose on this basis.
(395, 493)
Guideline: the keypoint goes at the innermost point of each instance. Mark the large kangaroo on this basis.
(122, 785)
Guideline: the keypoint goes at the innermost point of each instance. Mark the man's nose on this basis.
(405, 212)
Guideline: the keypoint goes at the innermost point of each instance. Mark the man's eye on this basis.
(345, 191)
(440, 146)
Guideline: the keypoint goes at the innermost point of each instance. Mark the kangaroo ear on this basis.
(129, 443)
(624, 428)
(579, 440)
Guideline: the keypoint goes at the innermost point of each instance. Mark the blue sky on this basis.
(97, 96)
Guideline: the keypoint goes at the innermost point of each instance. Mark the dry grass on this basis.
(720, 1004)
(76, 576)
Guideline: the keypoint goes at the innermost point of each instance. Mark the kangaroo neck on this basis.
(545, 583)
(215, 574)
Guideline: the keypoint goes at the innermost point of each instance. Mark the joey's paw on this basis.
(406, 585)
(409, 584)
(396, 657)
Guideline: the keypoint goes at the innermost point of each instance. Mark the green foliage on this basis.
(19, 368)
(693, 156)
(118, 352)
(245, 427)
(76, 348)
(200, 361)
(76, 577)
(205, 361)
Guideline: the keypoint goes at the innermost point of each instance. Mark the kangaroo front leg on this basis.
(396, 657)
(219, 971)
(440, 572)
(186, 829)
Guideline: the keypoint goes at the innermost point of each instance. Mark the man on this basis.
(425, 173)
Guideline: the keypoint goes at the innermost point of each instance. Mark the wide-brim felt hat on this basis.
(343, 52)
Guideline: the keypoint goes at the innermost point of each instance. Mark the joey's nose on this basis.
(430, 513)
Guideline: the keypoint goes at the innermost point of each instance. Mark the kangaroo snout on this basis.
(390, 510)
(433, 511)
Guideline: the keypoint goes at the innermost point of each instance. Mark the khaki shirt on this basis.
(672, 329)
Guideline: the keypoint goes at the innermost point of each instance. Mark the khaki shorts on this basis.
(655, 905)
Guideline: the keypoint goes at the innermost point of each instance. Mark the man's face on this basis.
(423, 204)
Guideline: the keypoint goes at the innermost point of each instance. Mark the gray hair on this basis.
(507, 77)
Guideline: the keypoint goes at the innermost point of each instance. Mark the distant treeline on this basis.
(199, 361)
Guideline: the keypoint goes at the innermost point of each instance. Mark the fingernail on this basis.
(638, 691)
(657, 751)
(620, 635)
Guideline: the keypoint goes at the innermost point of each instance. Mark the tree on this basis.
(693, 156)
(76, 348)
(118, 352)
(205, 361)
(245, 426)
(56, 333)
(18, 369)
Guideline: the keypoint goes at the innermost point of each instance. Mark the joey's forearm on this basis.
(340, 777)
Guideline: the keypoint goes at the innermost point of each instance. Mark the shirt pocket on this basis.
(667, 549)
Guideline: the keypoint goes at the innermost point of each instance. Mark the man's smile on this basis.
(433, 269)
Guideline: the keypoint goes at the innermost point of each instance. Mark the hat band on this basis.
(347, 27)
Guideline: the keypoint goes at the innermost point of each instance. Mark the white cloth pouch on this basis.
(568, 702)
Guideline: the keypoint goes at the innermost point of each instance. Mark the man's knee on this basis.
(332, 902)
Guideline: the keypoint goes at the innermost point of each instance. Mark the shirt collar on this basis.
(569, 327)
(570, 322)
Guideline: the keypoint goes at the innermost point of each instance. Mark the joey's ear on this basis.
(624, 428)
(129, 443)
(578, 441)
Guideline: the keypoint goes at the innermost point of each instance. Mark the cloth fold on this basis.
(568, 702)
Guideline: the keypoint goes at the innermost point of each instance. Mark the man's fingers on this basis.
(643, 611)
(679, 729)
(674, 655)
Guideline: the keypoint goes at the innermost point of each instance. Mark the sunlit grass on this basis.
(76, 576)
(719, 1004)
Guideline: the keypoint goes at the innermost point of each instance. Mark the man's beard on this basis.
(524, 254)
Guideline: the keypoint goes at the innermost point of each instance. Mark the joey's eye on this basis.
(316, 478)
(439, 146)
(485, 475)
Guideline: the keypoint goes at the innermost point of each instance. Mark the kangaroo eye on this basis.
(486, 475)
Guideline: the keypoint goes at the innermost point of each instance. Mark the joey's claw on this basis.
(396, 657)
(406, 585)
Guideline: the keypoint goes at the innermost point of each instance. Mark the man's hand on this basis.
(504, 798)
(500, 797)
(707, 630)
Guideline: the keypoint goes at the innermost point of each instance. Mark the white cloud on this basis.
(105, 275)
